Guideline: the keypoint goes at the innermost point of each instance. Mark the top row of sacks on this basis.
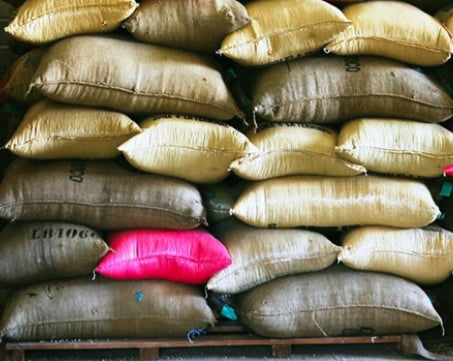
(256, 33)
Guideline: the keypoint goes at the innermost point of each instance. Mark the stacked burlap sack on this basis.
(178, 176)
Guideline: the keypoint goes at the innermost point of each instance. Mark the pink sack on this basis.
(188, 256)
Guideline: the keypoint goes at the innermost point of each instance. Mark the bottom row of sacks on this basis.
(331, 302)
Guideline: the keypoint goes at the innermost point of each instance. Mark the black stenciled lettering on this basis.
(77, 171)
(352, 64)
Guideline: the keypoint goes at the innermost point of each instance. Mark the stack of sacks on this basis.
(385, 118)
(91, 85)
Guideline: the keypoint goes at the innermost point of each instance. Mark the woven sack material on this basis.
(280, 30)
(393, 29)
(335, 89)
(337, 302)
(260, 255)
(22, 72)
(41, 251)
(188, 256)
(101, 194)
(194, 149)
(102, 308)
(320, 201)
(51, 130)
(195, 25)
(396, 146)
(41, 22)
(133, 77)
(291, 149)
(423, 255)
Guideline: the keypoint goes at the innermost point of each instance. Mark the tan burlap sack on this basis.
(332, 89)
(260, 255)
(396, 146)
(280, 30)
(44, 21)
(337, 302)
(39, 251)
(99, 193)
(393, 29)
(335, 202)
(283, 29)
(51, 130)
(22, 72)
(445, 17)
(194, 149)
(102, 308)
(195, 24)
(292, 149)
(133, 77)
(422, 255)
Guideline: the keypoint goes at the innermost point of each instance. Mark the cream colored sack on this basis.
(260, 255)
(333, 89)
(133, 78)
(335, 202)
(44, 21)
(22, 72)
(393, 29)
(396, 146)
(423, 255)
(281, 30)
(186, 147)
(51, 130)
(187, 24)
(291, 149)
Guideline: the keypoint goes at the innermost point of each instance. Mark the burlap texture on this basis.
(396, 146)
(393, 29)
(260, 255)
(38, 251)
(335, 89)
(98, 193)
(133, 77)
(335, 202)
(100, 308)
(337, 302)
(422, 255)
(292, 149)
(41, 22)
(194, 149)
(51, 130)
(195, 25)
(283, 29)
(22, 72)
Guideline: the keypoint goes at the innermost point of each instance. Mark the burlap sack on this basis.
(445, 16)
(260, 255)
(101, 308)
(422, 255)
(396, 146)
(194, 149)
(283, 29)
(100, 194)
(195, 25)
(393, 29)
(333, 89)
(44, 21)
(22, 72)
(133, 77)
(337, 302)
(321, 201)
(38, 251)
(291, 149)
(51, 130)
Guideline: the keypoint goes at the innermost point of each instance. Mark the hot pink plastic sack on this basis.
(188, 256)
